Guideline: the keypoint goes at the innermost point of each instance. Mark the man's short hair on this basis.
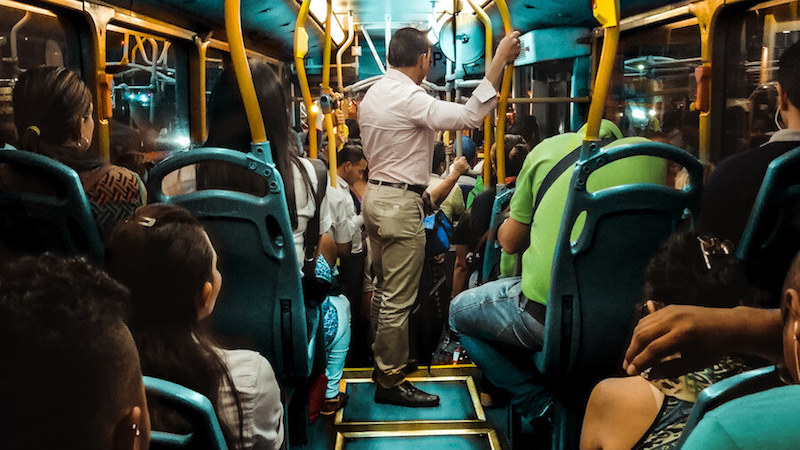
(351, 153)
(69, 359)
(406, 46)
(789, 73)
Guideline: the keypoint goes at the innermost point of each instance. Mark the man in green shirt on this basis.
(511, 311)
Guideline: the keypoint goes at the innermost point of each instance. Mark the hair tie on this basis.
(35, 129)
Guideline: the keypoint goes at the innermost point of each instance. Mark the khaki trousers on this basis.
(393, 219)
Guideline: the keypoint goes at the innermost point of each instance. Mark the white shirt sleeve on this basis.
(267, 409)
(426, 111)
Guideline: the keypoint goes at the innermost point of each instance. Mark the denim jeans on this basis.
(339, 343)
(499, 336)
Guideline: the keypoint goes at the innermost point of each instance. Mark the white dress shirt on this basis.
(399, 120)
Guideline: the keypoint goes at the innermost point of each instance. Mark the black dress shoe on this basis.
(405, 394)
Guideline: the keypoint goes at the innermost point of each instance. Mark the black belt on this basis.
(418, 189)
(537, 310)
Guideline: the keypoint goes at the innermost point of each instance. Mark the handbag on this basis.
(438, 230)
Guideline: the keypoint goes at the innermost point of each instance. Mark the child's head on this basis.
(694, 269)
(164, 256)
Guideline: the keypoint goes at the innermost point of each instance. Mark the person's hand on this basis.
(678, 339)
(509, 47)
(460, 167)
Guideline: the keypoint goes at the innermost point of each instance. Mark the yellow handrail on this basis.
(487, 122)
(233, 28)
(342, 48)
(300, 50)
(501, 104)
(607, 13)
(326, 87)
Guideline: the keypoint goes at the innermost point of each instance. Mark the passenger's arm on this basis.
(460, 270)
(440, 191)
(513, 236)
(701, 336)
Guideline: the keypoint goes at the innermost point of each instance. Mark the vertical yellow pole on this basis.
(326, 87)
(300, 50)
(501, 104)
(607, 13)
(233, 28)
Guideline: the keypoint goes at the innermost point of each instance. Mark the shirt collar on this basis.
(342, 183)
(399, 76)
(787, 135)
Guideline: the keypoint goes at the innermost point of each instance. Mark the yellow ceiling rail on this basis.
(343, 47)
(607, 13)
(326, 88)
(300, 50)
(487, 122)
(233, 28)
(502, 7)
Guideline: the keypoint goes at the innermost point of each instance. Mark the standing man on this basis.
(398, 125)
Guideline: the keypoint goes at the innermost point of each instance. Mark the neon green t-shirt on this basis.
(537, 260)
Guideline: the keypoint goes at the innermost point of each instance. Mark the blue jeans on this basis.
(499, 336)
(337, 345)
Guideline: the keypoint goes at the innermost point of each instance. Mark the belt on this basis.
(416, 188)
(537, 310)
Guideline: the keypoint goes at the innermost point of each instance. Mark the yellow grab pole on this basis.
(233, 28)
(607, 13)
(340, 52)
(501, 104)
(487, 122)
(300, 50)
(326, 87)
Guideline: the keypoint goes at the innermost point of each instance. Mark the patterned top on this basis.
(680, 394)
(114, 193)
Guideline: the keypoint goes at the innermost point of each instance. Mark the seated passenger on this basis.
(644, 412)
(452, 205)
(501, 322)
(731, 191)
(163, 255)
(72, 378)
(471, 232)
(53, 115)
(767, 419)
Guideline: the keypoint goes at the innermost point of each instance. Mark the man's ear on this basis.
(203, 301)
(130, 432)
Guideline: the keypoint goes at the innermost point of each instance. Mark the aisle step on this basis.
(476, 439)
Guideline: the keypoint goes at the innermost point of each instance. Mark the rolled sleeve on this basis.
(434, 114)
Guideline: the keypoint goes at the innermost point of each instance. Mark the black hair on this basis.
(678, 274)
(515, 158)
(406, 46)
(439, 156)
(789, 73)
(351, 153)
(353, 129)
(528, 128)
(49, 103)
(70, 361)
(161, 254)
(228, 128)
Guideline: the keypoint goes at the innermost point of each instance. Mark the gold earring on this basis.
(136, 431)
(85, 139)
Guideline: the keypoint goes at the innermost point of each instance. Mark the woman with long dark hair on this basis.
(53, 115)
(164, 256)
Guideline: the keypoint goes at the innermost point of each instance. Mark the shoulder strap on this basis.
(311, 236)
(565, 163)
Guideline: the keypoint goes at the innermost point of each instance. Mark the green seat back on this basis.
(491, 254)
(261, 299)
(597, 280)
(729, 389)
(44, 208)
(772, 236)
(195, 409)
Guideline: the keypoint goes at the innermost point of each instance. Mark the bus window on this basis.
(755, 42)
(547, 79)
(215, 64)
(149, 97)
(30, 37)
(654, 84)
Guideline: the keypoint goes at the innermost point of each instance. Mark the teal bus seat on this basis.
(261, 303)
(194, 408)
(44, 209)
(729, 389)
(772, 236)
(597, 280)
(491, 254)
